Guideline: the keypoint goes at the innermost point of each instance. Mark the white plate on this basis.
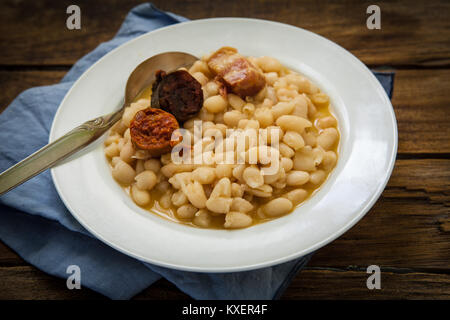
(366, 157)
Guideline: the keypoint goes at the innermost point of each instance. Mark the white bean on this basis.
(123, 172)
(231, 118)
(112, 138)
(212, 88)
(200, 66)
(286, 151)
(296, 196)
(277, 207)
(293, 123)
(287, 164)
(222, 188)
(264, 116)
(115, 160)
(224, 170)
(269, 64)
(304, 160)
(317, 177)
(297, 178)
(253, 177)
(146, 180)
(294, 140)
(112, 150)
(201, 78)
(153, 165)
(237, 190)
(248, 109)
(139, 166)
(329, 160)
(271, 77)
(202, 219)
(119, 127)
(301, 107)
(238, 171)
(141, 197)
(215, 104)
(219, 204)
(326, 122)
(241, 205)
(235, 101)
(204, 175)
(205, 115)
(282, 108)
(127, 152)
(196, 194)
(310, 138)
(165, 200)
(179, 198)
(186, 211)
(327, 138)
(235, 220)
(320, 99)
(163, 186)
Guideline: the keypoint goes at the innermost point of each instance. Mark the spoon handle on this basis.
(56, 151)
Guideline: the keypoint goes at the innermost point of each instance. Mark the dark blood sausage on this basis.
(177, 93)
(151, 129)
(236, 72)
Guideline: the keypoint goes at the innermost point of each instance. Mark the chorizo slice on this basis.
(237, 72)
(151, 129)
(178, 93)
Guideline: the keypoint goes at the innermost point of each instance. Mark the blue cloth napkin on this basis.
(35, 223)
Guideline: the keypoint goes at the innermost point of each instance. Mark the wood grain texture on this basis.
(27, 38)
(26, 282)
(422, 107)
(407, 232)
(404, 228)
(344, 284)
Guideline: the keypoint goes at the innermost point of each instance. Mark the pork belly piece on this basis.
(236, 72)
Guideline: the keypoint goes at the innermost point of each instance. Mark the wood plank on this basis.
(407, 233)
(9, 258)
(405, 227)
(396, 232)
(420, 101)
(29, 283)
(40, 37)
(422, 107)
(336, 284)
(40, 34)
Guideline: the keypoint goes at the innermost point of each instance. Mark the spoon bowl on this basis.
(144, 74)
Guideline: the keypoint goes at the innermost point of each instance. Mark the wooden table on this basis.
(407, 233)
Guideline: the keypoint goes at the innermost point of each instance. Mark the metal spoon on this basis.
(91, 130)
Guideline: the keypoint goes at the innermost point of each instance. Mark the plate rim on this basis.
(336, 234)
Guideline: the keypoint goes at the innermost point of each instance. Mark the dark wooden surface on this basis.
(407, 232)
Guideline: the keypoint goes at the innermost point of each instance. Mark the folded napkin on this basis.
(35, 223)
